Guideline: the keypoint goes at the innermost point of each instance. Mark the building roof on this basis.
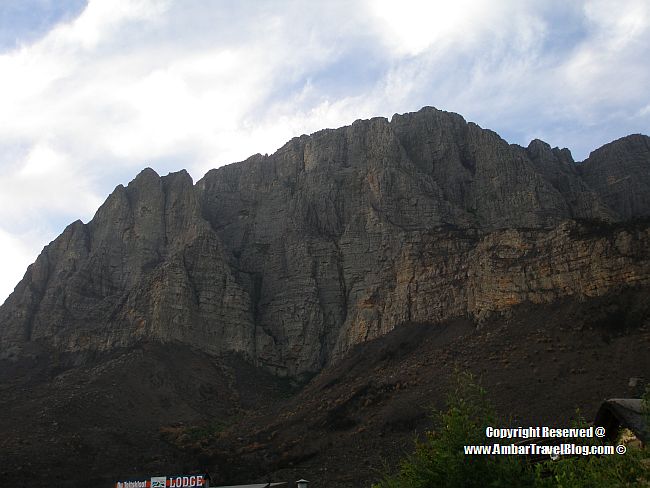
(617, 413)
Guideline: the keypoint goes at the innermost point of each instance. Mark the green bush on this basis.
(630, 469)
(440, 461)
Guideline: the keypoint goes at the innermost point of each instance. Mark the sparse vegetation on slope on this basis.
(440, 460)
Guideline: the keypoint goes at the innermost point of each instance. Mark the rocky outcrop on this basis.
(558, 168)
(619, 173)
(146, 266)
(337, 238)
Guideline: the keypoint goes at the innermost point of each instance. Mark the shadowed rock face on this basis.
(619, 173)
(337, 238)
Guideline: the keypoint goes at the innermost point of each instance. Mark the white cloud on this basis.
(102, 21)
(196, 84)
(411, 27)
(606, 68)
(44, 183)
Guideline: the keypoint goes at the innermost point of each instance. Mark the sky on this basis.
(91, 92)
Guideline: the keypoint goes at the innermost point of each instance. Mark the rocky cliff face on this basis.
(618, 172)
(337, 238)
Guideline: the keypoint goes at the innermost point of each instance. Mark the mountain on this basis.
(296, 260)
(335, 239)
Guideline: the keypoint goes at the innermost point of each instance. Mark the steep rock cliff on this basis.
(146, 266)
(337, 238)
(619, 173)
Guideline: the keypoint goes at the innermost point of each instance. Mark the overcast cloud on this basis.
(92, 93)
